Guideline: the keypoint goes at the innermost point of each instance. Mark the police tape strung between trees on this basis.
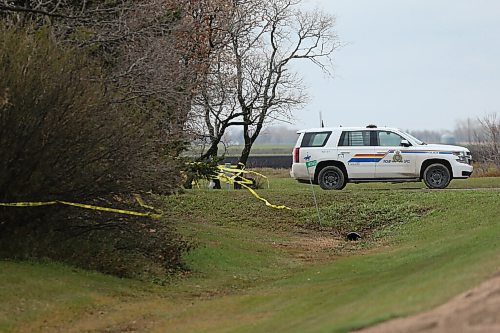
(154, 213)
(239, 171)
(236, 178)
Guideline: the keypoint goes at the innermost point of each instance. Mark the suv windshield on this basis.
(417, 141)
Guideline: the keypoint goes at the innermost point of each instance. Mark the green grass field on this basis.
(256, 269)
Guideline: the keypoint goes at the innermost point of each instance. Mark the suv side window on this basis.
(315, 139)
(355, 138)
(389, 139)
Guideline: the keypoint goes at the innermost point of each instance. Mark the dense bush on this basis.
(62, 139)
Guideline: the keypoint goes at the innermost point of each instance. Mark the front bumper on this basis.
(466, 173)
(461, 170)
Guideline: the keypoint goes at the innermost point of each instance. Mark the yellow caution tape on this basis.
(259, 174)
(28, 204)
(244, 182)
(238, 172)
(155, 214)
(142, 203)
(233, 174)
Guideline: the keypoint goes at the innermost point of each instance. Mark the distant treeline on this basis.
(468, 130)
(271, 135)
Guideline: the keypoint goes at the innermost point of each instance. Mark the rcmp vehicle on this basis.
(332, 157)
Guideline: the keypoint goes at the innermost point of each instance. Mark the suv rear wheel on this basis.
(331, 178)
(437, 176)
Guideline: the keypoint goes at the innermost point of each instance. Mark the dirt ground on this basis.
(477, 310)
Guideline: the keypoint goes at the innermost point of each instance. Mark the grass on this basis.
(44, 292)
(255, 269)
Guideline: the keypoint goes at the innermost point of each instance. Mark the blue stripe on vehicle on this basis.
(364, 159)
(424, 152)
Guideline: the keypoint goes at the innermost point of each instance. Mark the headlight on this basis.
(461, 156)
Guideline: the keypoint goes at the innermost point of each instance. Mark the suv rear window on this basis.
(315, 139)
(355, 138)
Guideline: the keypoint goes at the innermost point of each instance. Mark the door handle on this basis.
(345, 152)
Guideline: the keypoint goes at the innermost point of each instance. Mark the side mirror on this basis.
(405, 143)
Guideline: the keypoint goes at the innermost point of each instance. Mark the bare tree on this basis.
(258, 84)
(217, 105)
(464, 129)
(215, 102)
(490, 126)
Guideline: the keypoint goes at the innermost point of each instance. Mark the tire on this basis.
(437, 176)
(331, 178)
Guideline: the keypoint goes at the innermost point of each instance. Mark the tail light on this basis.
(296, 155)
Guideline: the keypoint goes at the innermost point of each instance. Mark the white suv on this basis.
(331, 157)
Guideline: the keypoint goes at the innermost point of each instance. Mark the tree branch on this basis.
(19, 9)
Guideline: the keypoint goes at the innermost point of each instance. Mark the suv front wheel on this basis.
(331, 178)
(437, 176)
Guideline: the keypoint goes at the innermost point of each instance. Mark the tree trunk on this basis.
(250, 139)
(212, 151)
(245, 153)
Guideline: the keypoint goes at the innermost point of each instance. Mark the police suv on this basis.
(331, 157)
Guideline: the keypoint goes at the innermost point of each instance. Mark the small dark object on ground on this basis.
(353, 236)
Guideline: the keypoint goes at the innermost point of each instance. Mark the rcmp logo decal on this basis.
(397, 158)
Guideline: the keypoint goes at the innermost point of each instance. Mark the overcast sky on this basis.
(412, 64)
